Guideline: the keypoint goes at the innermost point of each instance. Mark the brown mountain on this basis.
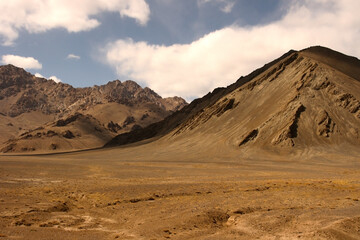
(305, 99)
(30, 107)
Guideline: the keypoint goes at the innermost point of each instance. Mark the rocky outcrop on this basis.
(290, 131)
(68, 120)
(249, 137)
(114, 127)
(325, 125)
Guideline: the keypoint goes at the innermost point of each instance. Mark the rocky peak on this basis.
(149, 91)
(10, 69)
(131, 85)
(174, 103)
(14, 76)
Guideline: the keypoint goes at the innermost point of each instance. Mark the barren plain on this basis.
(158, 191)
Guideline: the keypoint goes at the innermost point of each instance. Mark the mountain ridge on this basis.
(273, 107)
(14, 80)
(348, 65)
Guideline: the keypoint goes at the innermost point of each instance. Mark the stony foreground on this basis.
(144, 193)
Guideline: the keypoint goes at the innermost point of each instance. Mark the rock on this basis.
(325, 124)
(128, 120)
(68, 134)
(114, 127)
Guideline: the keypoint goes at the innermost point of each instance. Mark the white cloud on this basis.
(73, 56)
(227, 8)
(54, 78)
(225, 5)
(74, 15)
(220, 57)
(39, 75)
(23, 62)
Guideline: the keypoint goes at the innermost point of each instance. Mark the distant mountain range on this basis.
(37, 114)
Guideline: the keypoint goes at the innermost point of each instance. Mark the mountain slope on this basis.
(304, 99)
(75, 132)
(161, 128)
(28, 103)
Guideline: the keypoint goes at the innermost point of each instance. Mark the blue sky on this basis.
(184, 48)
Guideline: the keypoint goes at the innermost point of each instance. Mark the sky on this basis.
(177, 48)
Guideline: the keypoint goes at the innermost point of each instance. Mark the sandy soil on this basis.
(150, 192)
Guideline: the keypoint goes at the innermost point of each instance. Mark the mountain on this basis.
(304, 99)
(31, 106)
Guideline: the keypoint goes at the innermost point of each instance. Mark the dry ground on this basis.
(150, 192)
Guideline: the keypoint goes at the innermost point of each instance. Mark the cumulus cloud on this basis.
(39, 75)
(220, 57)
(225, 5)
(54, 78)
(73, 56)
(74, 15)
(23, 62)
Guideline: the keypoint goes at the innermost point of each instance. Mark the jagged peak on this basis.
(131, 83)
(176, 98)
(152, 92)
(9, 68)
(117, 81)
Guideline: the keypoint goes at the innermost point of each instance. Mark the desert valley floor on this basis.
(160, 191)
